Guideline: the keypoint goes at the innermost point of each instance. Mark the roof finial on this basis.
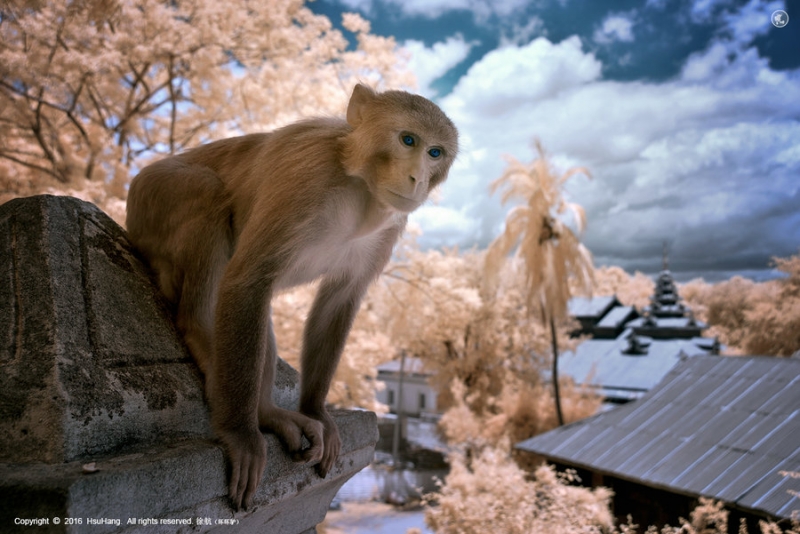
(664, 256)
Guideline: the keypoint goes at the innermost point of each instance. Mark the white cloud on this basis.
(724, 64)
(432, 8)
(615, 27)
(519, 34)
(702, 10)
(481, 9)
(751, 20)
(711, 153)
(728, 61)
(365, 6)
(510, 77)
(741, 24)
(431, 63)
(439, 223)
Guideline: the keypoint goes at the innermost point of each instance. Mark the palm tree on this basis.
(551, 252)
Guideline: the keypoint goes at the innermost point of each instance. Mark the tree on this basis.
(90, 90)
(633, 290)
(760, 318)
(774, 324)
(367, 346)
(482, 352)
(434, 310)
(550, 251)
(489, 493)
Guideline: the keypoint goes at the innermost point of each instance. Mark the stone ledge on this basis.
(92, 369)
(182, 480)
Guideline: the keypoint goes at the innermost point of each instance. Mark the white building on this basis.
(418, 397)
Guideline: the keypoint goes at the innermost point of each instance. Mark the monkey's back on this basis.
(285, 166)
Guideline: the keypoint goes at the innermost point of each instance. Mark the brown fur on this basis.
(227, 224)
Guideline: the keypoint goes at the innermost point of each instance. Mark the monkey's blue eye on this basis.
(408, 140)
(435, 152)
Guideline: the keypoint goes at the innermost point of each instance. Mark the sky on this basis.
(686, 113)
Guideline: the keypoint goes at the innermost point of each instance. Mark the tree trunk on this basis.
(398, 424)
(556, 392)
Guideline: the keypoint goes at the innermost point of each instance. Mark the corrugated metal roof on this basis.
(588, 307)
(413, 365)
(616, 317)
(721, 427)
(603, 363)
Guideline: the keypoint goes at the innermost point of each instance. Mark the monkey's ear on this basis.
(362, 95)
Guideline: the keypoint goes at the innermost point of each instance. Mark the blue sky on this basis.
(687, 113)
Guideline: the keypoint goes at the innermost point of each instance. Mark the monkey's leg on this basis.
(204, 246)
(234, 382)
(289, 426)
(198, 297)
(326, 330)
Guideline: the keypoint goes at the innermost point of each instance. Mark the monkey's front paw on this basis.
(291, 427)
(314, 433)
(248, 454)
(333, 445)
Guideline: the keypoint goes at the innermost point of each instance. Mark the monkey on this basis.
(226, 225)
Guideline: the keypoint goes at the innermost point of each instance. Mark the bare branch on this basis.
(30, 165)
(174, 104)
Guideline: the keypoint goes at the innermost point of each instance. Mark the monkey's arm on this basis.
(328, 324)
(326, 330)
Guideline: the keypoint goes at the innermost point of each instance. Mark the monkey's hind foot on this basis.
(248, 454)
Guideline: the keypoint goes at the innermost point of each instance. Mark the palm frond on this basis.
(551, 253)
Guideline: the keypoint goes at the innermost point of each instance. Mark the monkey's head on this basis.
(402, 145)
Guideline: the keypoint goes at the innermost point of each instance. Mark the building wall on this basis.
(418, 396)
(648, 506)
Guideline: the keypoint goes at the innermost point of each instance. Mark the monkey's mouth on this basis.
(401, 202)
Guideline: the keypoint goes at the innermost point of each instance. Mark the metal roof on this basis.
(723, 427)
(668, 322)
(616, 317)
(590, 307)
(413, 365)
(604, 364)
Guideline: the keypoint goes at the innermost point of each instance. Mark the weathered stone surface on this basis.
(90, 359)
(184, 482)
(93, 370)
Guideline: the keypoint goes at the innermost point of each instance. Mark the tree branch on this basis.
(174, 104)
(28, 164)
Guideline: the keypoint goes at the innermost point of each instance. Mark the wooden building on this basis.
(630, 350)
(727, 428)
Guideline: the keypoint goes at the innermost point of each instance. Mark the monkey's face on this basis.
(402, 145)
(407, 171)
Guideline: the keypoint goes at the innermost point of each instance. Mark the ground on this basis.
(372, 518)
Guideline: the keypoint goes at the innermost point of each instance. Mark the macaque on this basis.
(228, 224)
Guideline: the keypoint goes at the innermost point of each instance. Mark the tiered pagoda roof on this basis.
(667, 317)
(631, 349)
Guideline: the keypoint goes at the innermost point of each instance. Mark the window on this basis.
(421, 401)
(390, 397)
